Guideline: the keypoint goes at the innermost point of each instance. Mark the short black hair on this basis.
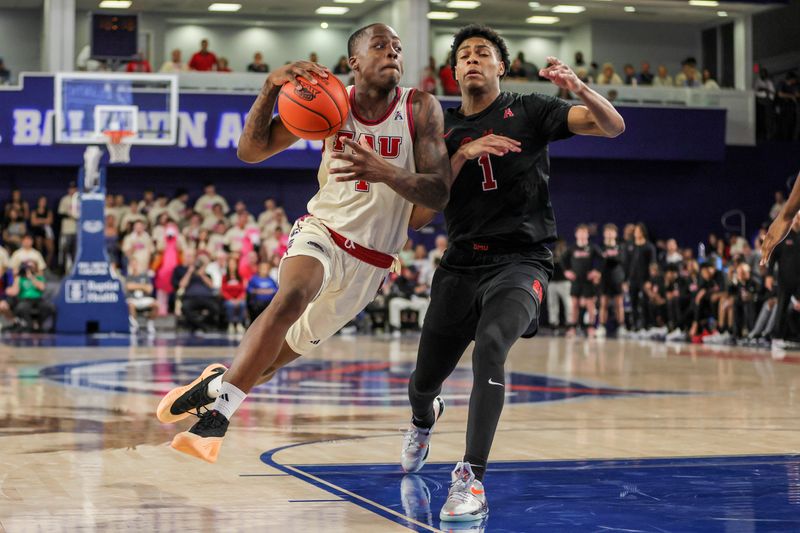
(479, 30)
(352, 41)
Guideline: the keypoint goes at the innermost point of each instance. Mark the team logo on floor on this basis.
(320, 382)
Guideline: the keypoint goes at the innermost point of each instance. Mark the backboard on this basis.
(89, 103)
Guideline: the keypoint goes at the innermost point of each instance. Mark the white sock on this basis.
(229, 399)
(214, 386)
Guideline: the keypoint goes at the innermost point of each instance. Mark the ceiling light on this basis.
(442, 15)
(722, 13)
(323, 25)
(534, 5)
(225, 7)
(332, 10)
(542, 20)
(349, 1)
(463, 4)
(115, 4)
(568, 9)
(630, 9)
(704, 3)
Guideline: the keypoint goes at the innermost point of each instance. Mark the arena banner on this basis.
(209, 126)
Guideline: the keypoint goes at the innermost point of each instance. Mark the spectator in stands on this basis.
(342, 67)
(439, 249)
(111, 236)
(130, 216)
(516, 71)
(608, 76)
(765, 105)
(579, 62)
(645, 76)
(708, 81)
(268, 214)
(138, 245)
(313, 57)
(629, 74)
(558, 290)
(448, 81)
(258, 64)
(780, 200)
(203, 60)
(261, 290)
(673, 254)
(240, 208)
(407, 294)
(16, 228)
(27, 254)
(205, 204)
(17, 202)
(198, 303)
(583, 75)
(235, 236)
(67, 206)
(282, 220)
(222, 65)
(27, 291)
(191, 232)
(216, 268)
(428, 80)
(422, 264)
(41, 227)
(177, 207)
(155, 210)
(688, 77)
(139, 296)
(147, 202)
(216, 239)
(406, 255)
(787, 106)
(217, 216)
(531, 70)
(234, 295)
(175, 64)
(663, 79)
(5, 74)
(139, 64)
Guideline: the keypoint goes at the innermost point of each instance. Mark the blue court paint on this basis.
(698, 494)
(371, 383)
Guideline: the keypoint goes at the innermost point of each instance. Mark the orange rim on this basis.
(116, 136)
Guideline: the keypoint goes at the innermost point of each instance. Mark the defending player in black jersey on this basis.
(490, 283)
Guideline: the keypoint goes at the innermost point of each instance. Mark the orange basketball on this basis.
(314, 111)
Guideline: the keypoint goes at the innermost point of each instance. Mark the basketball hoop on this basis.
(118, 143)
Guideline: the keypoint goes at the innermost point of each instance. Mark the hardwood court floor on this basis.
(614, 435)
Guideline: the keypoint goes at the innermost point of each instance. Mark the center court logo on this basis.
(371, 383)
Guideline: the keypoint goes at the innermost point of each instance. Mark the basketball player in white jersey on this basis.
(388, 157)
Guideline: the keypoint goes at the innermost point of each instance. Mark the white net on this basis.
(119, 146)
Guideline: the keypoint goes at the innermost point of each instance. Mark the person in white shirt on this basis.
(268, 214)
(708, 81)
(608, 76)
(139, 245)
(235, 236)
(175, 64)
(663, 79)
(240, 208)
(26, 253)
(205, 204)
(67, 210)
(217, 216)
(177, 206)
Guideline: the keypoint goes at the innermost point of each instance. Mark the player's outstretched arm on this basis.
(780, 227)
(264, 136)
(430, 185)
(596, 116)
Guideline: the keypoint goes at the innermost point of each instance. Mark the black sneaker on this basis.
(181, 401)
(204, 439)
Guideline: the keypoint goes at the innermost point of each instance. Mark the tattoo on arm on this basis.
(263, 136)
(430, 185)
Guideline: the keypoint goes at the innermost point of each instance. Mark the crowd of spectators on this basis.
(215, 267)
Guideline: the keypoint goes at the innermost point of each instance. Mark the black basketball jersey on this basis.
(503, 203)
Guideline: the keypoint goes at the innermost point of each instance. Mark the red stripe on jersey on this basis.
(410, 113)
(362, 253)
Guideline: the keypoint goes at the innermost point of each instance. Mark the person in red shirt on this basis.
(139, 64)
(234, 295)
(203, 60)
(449, 83)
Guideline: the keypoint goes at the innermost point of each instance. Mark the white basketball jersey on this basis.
(371, 214)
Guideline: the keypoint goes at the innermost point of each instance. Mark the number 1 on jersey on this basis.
(489, 184)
